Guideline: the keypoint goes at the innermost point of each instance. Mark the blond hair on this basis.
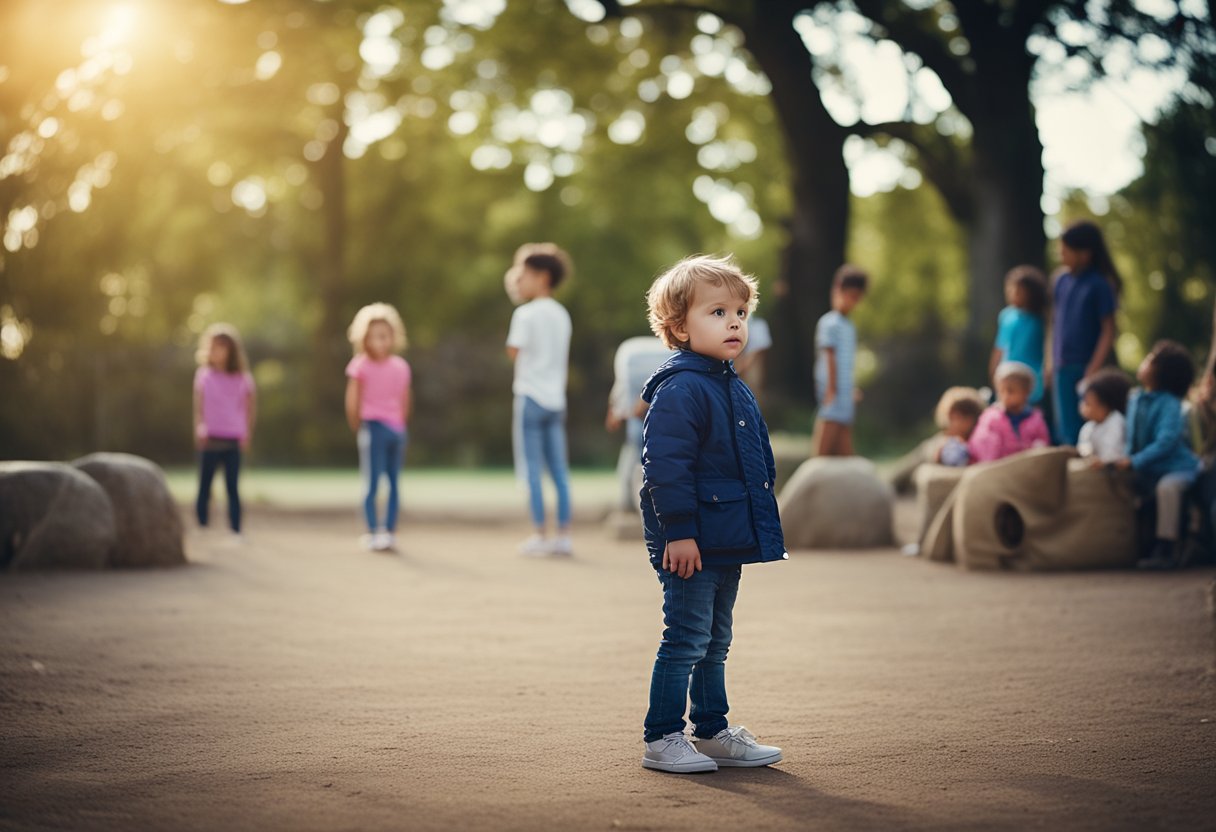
(672, 292)
(227, 334)
(962, 399)
(1015, 369)
(370, 314)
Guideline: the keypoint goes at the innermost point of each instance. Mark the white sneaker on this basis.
(387, 542)
(674, 753)
(736, 746)
(535, 547)
(368, 541)
(562, 545)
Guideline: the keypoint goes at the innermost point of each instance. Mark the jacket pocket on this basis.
(724, 515)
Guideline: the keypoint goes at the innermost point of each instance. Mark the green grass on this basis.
(421, 488)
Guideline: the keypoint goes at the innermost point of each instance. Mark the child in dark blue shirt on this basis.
(708, 508)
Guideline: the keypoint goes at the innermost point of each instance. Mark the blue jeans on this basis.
(381, 452)
(1065, 402)
(543, 435)
(227, 454)
(697, 618)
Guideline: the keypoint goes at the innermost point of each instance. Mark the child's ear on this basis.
(680, 330)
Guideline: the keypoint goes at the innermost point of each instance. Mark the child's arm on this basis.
(829, 359)
(671, 449)
(1167, 436)
(998, 355)
(352, 403)
(407, 402)
(512, 352)
(984, 444)
(200, 435)
(251, 416)
(1105, 339)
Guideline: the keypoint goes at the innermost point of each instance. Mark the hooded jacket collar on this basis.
(686, 361)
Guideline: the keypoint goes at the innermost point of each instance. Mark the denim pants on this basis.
(697, 618)
(542, 435)
(381, 452)
(227, 454)
(1064, 401)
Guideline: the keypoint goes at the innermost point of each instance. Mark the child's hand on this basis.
(245, 445)
(829, 396)
(682, 557)
(1123, 464)
(858, 395)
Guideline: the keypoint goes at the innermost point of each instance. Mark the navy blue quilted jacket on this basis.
(708, 465)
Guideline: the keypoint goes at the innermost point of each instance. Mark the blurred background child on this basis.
(1158, 448)
(1022, 325)
(225, 409)
(1083, 331)
(836, 344)
(958, 412)
(1012, 424)
(377, 407)
(1103, 401)
(539, 344)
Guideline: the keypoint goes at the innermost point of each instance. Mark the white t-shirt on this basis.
(1107, 440)
(540, 330)
(636, 360)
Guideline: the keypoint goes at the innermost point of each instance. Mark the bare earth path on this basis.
(297, 683)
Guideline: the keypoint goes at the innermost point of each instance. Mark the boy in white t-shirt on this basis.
(1103, 401)
(539, 344)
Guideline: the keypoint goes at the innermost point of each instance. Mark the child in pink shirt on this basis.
(225, 408)
(1011, 425)
(377, 406)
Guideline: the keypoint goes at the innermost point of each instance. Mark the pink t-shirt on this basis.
(382, 386)
(225, 398)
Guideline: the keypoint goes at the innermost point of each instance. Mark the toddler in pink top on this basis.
(377, 407)
(224, 413)
(1011, 425)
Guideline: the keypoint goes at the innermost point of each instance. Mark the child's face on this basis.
(1073, 259)
(1092, 409)
(960, 424)
(532, 284)
(716, 323)
(1144, 373)
(845, 301)
(217, 353)
(1013, 394)
(379, 340)
(1015, 295)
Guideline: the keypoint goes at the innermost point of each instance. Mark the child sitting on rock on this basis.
(958, 412)
(1103, 401)
(1158, 451)
(1011, 425)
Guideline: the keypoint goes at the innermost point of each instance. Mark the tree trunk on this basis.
(329, 341)
(1005, 227)
(818, 227)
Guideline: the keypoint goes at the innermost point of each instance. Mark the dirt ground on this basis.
(298, 683)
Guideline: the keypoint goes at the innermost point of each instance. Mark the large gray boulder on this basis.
(53, 517)
(146, 518)
(837, 503)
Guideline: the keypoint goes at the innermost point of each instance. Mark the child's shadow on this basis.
(791, 795)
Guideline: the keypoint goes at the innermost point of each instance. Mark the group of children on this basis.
(1142, 431)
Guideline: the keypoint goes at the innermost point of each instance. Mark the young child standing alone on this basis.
(377, 407)
(707, 507)
(225, 409)
(539, 344)
(836, 344)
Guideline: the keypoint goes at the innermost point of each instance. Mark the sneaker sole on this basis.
(675, 768)
(730, 762)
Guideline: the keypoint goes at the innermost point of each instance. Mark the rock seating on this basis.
(837, 503)
(1038, 510)
(53, 517)
(146, 519)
